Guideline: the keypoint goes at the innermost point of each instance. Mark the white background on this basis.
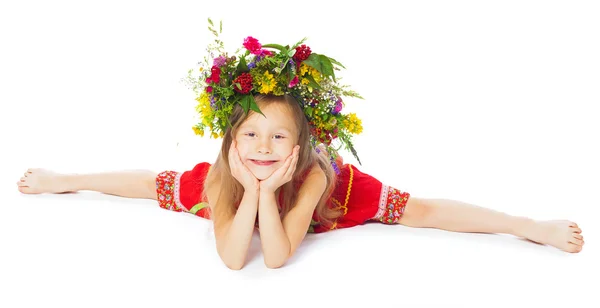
(489, 103)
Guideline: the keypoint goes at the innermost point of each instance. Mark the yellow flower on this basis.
(312, 71)
(214, 135)
(203, 108)
(198, 131)
(303, 69)
(353, 124)
(267, 83)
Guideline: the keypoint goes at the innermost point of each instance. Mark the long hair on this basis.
(230, 191)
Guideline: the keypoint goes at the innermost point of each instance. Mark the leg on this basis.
(130, 183)
(458, 216)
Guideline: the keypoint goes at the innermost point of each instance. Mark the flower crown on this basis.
(224, 81)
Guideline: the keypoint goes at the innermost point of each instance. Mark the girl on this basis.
(271, 111)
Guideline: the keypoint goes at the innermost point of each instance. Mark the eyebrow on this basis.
(252, 126)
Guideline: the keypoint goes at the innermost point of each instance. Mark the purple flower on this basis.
(338, 107)
(213, 103)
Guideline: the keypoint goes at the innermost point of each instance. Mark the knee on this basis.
(417, 213)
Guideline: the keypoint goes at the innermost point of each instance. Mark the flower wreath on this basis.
(224, 81)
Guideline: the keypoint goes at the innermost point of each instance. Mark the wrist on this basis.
(266, 192)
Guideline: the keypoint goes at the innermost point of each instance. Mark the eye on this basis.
(250, 134)
(279, 137)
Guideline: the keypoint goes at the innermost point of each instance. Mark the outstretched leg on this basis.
(129, 183)
(459, 216)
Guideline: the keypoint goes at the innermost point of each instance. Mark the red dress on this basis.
(361, 197)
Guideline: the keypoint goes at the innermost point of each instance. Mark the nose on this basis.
(264, 147)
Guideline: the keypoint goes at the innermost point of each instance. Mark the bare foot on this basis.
(37, 181)
(562, 234)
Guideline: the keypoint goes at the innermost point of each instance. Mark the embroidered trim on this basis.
(176, 192)
(164, 189)
(345, 206)
(393, 206)
(382, 201)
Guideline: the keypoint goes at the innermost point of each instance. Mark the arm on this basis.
(234, 235)
(280, 239)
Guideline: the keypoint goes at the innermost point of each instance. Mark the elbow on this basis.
(232, 262)
(234, 266)
(273, 264)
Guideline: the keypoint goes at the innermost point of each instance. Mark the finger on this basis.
(292, 167)
(578, 236)
(576, 230)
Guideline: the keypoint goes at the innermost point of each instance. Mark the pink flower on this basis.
(264, 52)
(253, 45)
(219, 61)
(294, 82)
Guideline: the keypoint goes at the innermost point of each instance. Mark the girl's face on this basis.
(264, 143)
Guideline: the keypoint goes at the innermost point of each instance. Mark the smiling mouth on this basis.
(263, 162)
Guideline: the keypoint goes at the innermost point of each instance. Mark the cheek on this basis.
(242, 149)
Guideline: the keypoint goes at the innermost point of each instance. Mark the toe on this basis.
(576, 241)
(576, 230)
(578, 236)
(24, 189)
(573, 248)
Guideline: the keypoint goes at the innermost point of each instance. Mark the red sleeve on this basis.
(191, 184)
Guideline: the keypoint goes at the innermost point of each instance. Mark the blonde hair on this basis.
(230, 191)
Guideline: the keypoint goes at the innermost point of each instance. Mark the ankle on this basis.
(70, 182)
(522, 226)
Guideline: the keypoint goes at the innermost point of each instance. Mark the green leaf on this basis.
(290, 75)
(276, 46)
(335, 62)
(312, 82)
(326, 66)
(221, 27)
(242, 66)
(309, 110)
(210, 22)
(314, 62)
(253, 105)
(245, 102)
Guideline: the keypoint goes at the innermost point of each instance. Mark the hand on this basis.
(282, 175)
(240, 172)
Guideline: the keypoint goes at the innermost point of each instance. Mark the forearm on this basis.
(233, 247)
(275, 243)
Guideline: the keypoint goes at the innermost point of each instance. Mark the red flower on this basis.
(215, 75)
(253, 45)
(245, 81)
(302, 53)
